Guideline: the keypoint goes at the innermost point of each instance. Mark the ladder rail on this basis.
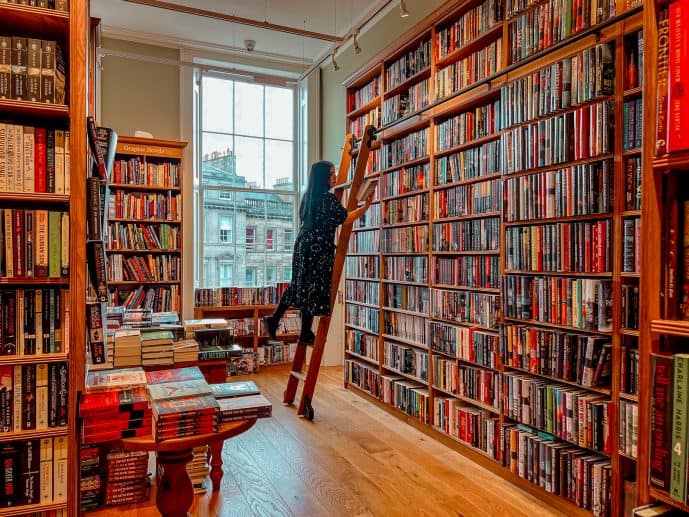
(366, 145)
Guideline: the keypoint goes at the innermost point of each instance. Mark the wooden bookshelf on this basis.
(144, 168)
(60, 189)
(664, 328)
(469, 122)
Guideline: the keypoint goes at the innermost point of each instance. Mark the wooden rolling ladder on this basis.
(366, 145)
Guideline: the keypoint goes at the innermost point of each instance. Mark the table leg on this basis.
(216, 463)
(175, 493)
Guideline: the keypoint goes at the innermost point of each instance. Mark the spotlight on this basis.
(357, 48)
(403, 9)
(336, 67)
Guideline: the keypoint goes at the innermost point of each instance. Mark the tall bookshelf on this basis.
(144, 237)
(448, 322)
(664, 327)
(43, 202)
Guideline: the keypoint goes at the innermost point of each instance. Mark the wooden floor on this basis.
(354, 459)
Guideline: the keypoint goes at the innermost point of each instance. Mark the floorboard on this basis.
(354, 459)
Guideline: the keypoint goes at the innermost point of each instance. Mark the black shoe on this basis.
(271, 327)
(307, 337)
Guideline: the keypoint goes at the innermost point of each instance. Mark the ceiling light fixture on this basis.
(357, 48)
(403, 9)
(336, 67)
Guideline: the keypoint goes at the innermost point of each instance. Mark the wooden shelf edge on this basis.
(33, 197)
(672, 161)
(665, 498)
(672, 327)
(32, 508)
(33, 359)
(34, 108)
(32, 434)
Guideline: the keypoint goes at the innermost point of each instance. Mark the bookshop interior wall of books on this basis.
(516, 288)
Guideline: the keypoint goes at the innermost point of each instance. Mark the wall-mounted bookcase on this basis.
(492, 297)
(42, 202)
(144, 234)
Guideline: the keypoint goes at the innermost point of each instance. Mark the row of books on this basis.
(121, 236)
(58, 5)
(33, 396)
(413, 62)
(34, 243)
(407, 360)
(474, 68)
(138, 171)
(407, 148)
(417, 97)
(143, 268)
(364, 292)
(468, 27)
(468, 126)
(34, 159)
(225, 296)
(477, 271)
(409, 239)
(404, 326)
(584, 77)
(34, 321)
(473, 235)
(361, 343)
(142, 206)
(363, 267)
(412, 298)
(363, 95)
(405, 180)
(34, 472)
(32, 70)
(405, 209)
(357, 125)
(466, 200)
(468, 344)
(156, 298)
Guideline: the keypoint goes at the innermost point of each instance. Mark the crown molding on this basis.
(266, 58)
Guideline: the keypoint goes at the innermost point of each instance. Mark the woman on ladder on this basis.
(314, 252)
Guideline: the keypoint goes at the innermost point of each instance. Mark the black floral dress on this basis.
(313, 260)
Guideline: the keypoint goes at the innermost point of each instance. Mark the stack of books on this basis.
(127, 479)
(191, 326)
(198, 469)
(89, 480)
(185, 351)
(241, 400)
(156, 347)
(115, 406)
(127, 348)
(182, 403)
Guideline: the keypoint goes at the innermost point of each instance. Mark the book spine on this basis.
(678, 471)
(662, 81)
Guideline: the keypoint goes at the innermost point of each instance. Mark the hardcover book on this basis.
(174, 375)
(179, 389)
(234, 389)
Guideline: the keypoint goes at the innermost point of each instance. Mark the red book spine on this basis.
(678, 103)
(39, 159)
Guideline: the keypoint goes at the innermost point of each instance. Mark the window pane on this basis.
(250, 160)
(218, 158)
(279, 113)
(249, 109)
(279, 164)
(287, 274)
(217, 105)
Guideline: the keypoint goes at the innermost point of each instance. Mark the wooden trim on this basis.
(237, 19)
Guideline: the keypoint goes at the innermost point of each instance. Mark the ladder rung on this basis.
(299, 375)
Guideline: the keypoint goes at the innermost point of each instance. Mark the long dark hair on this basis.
(319, 184)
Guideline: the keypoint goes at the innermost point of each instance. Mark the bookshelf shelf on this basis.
(673, 161)
(34, 109)
(409, 163)
(146, 251)
(629, 332)
(443, 391)
(553, 220)
(477, 326)
(629, 396)
(400, 282)
(404, 85)
(33, 281)
(604, 391)
(469, 217)
(633, 92)
(32, 508)
(663, 496)
(631, 152)
(671, 327)
(631, 213)
(557, 273)
(470, 47)
(354, 302)
(479, 404)
(558, 326)
(475, 252)
(405, 223)
(33, 434)
(369, 106)
(143, 221)
(468, 145)
(490, 290)
(33, 359)
(406, 375)
(153, 188)
(626, 274)
(470, 181)
(406, 194)
(404, 311)
(33, 197)
(151, 282)
(404, 340)
(362, 357)
(357, 327)
(563, 165)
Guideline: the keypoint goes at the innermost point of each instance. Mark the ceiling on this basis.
(144, 23)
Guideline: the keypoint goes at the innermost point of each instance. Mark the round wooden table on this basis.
(175, 493)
